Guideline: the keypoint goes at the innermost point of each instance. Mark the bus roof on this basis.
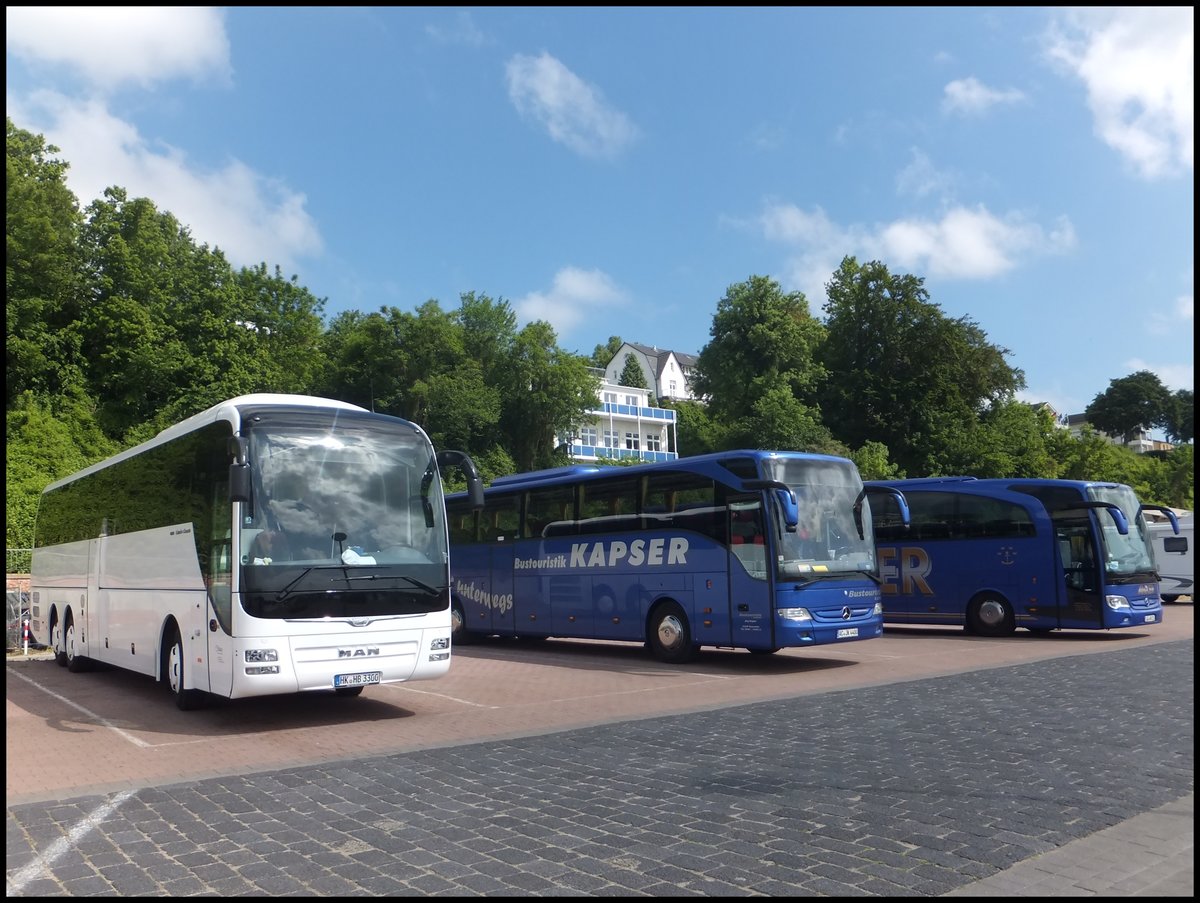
(572, 472)
(225, 410)
(989, 483)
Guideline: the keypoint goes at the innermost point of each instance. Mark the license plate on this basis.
(846, 633)
(1150, 619)
(357, 680)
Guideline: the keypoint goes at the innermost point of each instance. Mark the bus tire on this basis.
(184, 699)
(670, 636)
(771, 651)
(348, 691)
(459, 635)
(56, 641)
(990, 615)
(75, 663)
(1169, 598)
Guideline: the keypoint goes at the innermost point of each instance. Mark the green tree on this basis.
(1179, 423)
(762, 350)
(632, 374)
(904, 374)
(546, 392)
(696, 433)
(603, 354)
(41, 273)
(47, 440)
(1130, 404)
(873, 463)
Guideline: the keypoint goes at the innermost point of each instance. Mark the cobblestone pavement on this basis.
(1072, 776)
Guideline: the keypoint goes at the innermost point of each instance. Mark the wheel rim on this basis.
(991, 612)
(456, 620)
(670, 632)
(174, 667)
(56, 640)
(69, 643)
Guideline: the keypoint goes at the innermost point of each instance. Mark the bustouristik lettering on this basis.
(906, 575)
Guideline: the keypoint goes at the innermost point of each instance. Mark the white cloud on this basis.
(971, 96)
(462, 30)
(969, 243)
(921, 178)
(575, 294)
(1180, 317)
(572, 111)
(1138, 66)
(113, 45)
(252, 218)
(1173, 376)
(964, 243)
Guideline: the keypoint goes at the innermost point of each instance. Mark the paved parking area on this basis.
(945, 785)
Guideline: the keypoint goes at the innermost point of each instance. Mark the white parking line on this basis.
(62, 846)
(104, 722)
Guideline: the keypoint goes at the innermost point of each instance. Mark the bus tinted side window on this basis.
(552, 507)
(500, 519)
(461, 518)
(679, 501)
(993, 518)
(608, 506)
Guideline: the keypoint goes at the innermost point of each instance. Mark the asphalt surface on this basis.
(1066, 777)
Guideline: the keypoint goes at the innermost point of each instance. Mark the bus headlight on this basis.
(879, 608)
(793, 614)
(262, 655)
(442, 642)
(1117, 603)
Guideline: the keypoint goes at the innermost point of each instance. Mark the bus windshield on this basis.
(1124, 554)
(347, 496)
(826, 539)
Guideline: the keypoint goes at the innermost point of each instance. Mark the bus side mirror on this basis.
(474, 482)
(784, 495)
(239, 482)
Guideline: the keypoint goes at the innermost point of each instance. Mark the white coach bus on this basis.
(271, 544)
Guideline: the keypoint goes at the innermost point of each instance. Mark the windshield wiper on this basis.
(809, 577)
(425, 587)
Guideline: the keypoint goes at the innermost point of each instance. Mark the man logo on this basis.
(361, 652)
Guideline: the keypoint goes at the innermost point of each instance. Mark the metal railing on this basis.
(17, 561)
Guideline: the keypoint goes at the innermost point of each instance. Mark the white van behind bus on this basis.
(1175, 554)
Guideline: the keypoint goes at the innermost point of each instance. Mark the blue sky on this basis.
(615, 170)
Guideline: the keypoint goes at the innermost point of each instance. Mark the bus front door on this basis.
(1081, 599)
(751, 607)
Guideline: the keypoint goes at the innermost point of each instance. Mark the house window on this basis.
(631, 441)
(653, 443)
(672, 387)
(611, 439)
(631, 400)
(610, 397)
(587, 435)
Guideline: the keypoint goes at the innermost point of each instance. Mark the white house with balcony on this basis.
(624, 425)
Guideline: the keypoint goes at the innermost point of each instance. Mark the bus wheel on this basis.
(763, 651)
(75, 663)
(348, 691)
(992, 616)
(184, 699)
(1169, 598)
(670, 636)
(459, 636)
(56, 644)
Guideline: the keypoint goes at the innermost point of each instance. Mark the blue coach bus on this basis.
(759, 550)
(992, 555)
